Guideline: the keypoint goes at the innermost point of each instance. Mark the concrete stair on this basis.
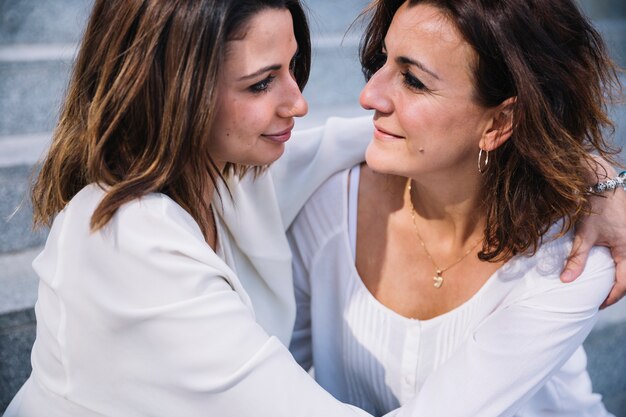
(38, 41)
(32, 85)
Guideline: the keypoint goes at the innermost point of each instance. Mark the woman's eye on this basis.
(412, 82)
(263, 85)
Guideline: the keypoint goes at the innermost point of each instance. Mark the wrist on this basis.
(610, 184)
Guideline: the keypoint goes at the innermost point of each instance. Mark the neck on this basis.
(449, 207)
(211, 232)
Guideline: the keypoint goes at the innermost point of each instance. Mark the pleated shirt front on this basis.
(514, 348)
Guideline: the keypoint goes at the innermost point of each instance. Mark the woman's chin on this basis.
(380, 161)
(267, 156)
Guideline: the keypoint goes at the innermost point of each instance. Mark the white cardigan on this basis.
(142, 318)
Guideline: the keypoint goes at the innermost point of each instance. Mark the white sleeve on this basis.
(301, 341)
(312, 156)
(177, 339)
(516, 349)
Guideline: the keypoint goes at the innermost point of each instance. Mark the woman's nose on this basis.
(294, 103)
(375, 94)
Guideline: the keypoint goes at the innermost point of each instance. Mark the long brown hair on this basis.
(141, 101)
(548, 56)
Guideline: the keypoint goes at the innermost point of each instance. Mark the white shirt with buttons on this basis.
(514, 348)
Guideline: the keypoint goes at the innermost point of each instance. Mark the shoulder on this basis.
(553, 253)
(326, 206)
(322, 217)
(154, 205)
(139, 228)
(150, 253)
(156, 213)
(541, 274)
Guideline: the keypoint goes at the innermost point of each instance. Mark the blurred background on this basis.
(38, 40)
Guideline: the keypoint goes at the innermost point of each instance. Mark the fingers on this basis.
(615, 295)
(619, 289)
(577, 258)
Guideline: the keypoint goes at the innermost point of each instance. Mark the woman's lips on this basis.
(383, 134)
(280, 137)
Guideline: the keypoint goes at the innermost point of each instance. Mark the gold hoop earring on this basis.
(483, 167)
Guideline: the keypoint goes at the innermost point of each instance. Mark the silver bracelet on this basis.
(613, 183)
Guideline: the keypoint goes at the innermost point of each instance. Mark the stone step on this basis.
(18, 280)
(18, 293)
(33, 80)
(42, 21)
(15, 211)
(17, 335)
(603, 346)
(23, 149)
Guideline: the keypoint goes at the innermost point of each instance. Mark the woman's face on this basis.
(426, 118)
(258, 96)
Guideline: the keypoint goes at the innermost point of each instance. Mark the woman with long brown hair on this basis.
(165, 284)
(430, 276)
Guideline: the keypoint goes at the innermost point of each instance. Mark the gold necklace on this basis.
(438, 278)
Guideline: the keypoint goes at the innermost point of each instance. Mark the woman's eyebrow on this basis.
(408, 61)
(403, 60)
(274, 67)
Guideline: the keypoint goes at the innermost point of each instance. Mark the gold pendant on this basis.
(438, 280)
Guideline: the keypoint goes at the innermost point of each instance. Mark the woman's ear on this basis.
(500, 127)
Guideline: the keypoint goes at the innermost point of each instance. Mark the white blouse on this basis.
(142, 318)
(514, 348)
